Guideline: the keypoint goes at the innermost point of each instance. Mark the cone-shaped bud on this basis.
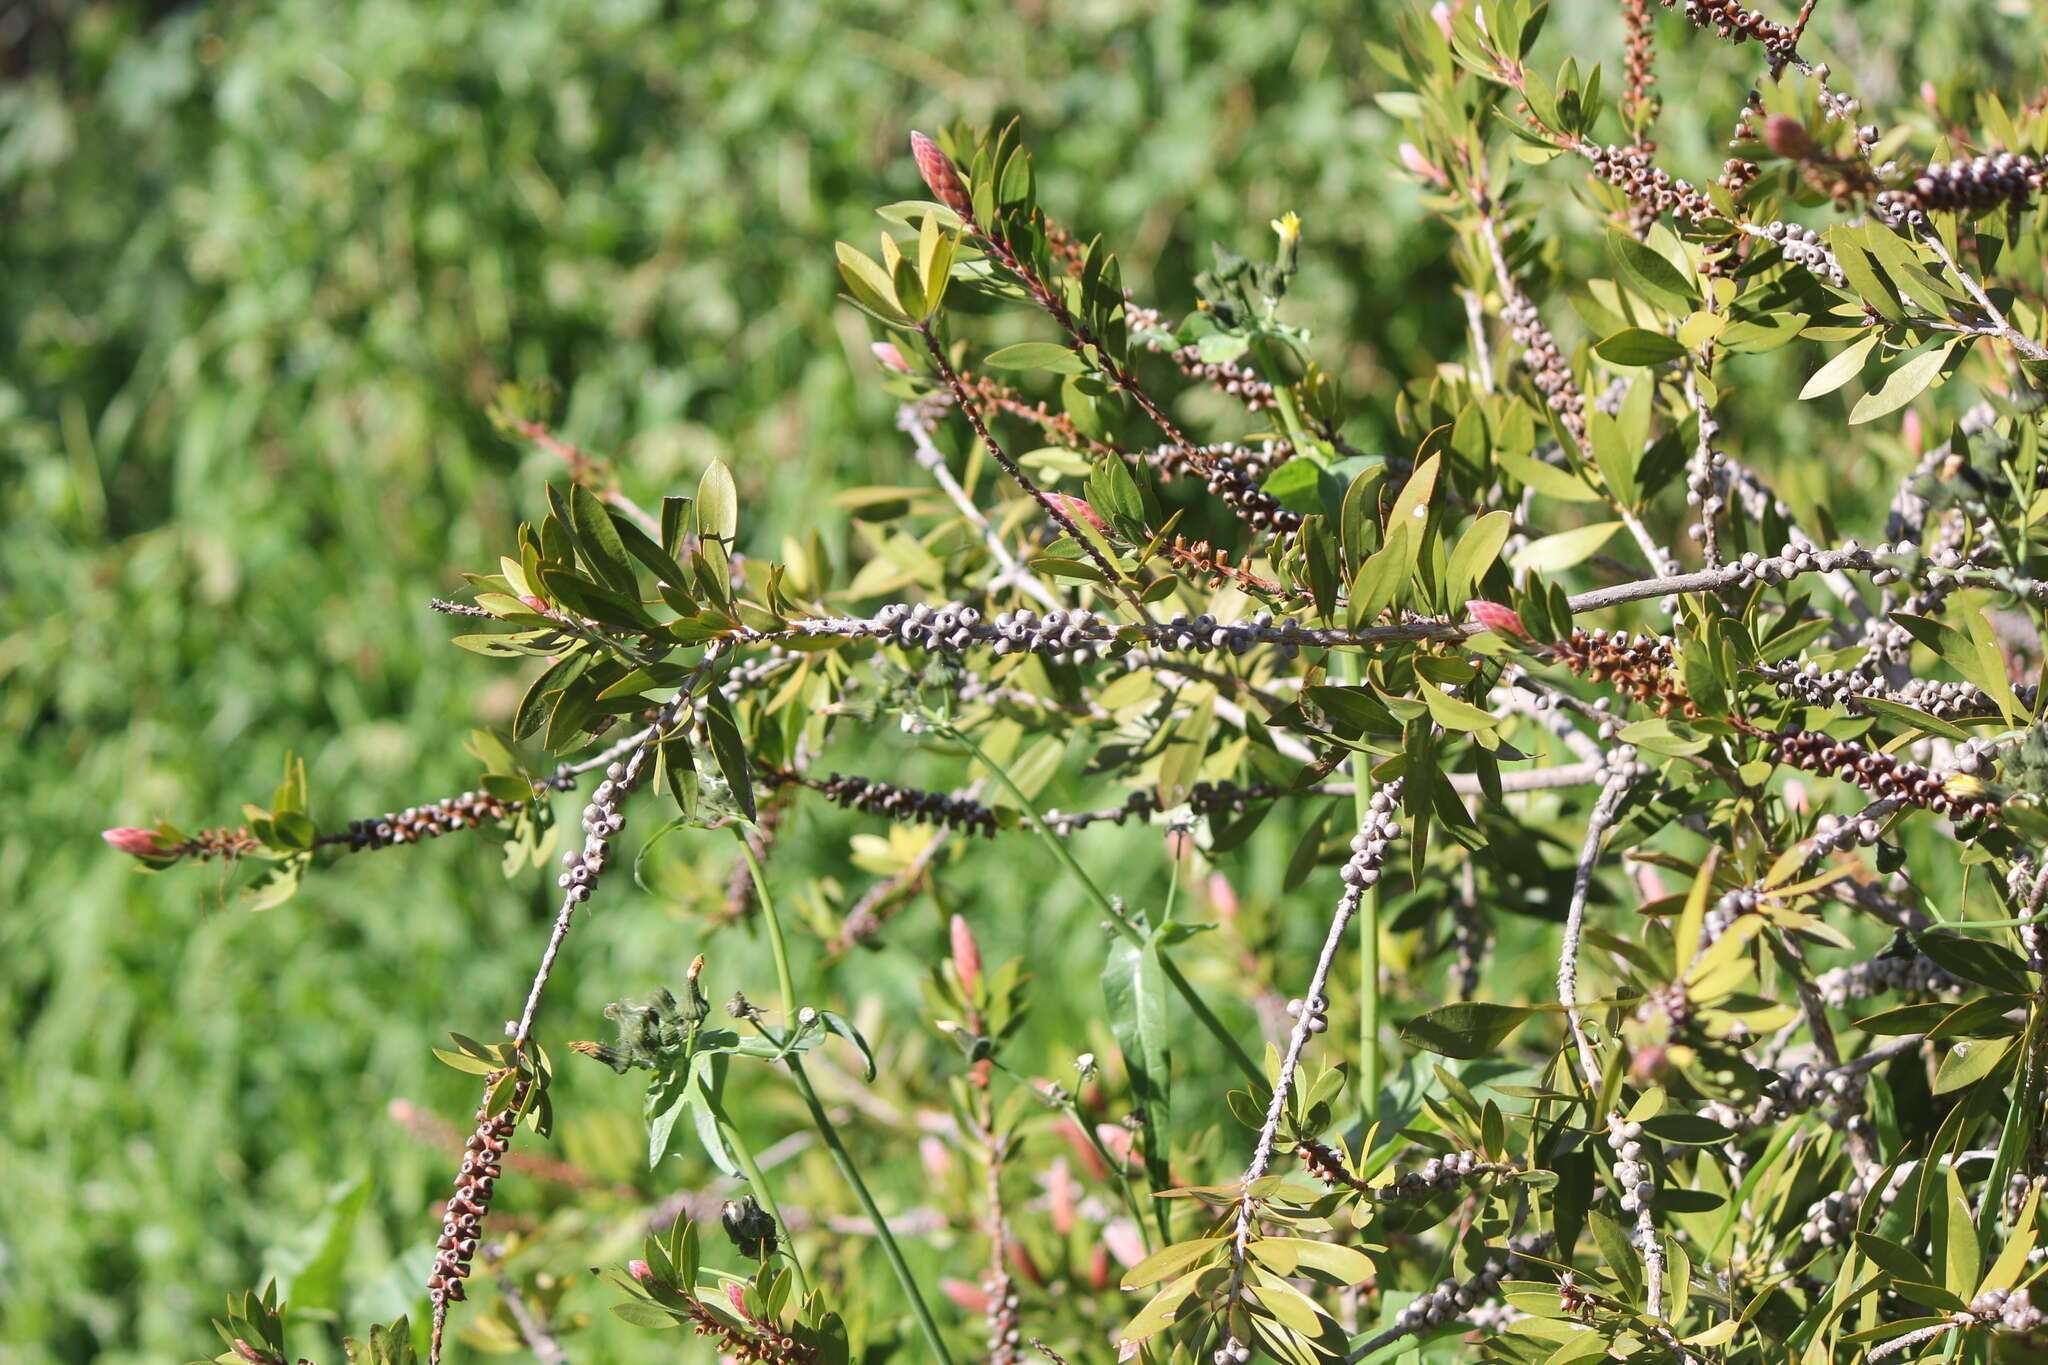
(1496, 618)
(143, 843)
(966, 956)
(1788, 137)
(941, 176)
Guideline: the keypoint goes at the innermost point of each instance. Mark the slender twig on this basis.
(1375, 831)
(1231, 1046)
(532, 1330)
(933, 461)
(965, 402)
(1622, 774)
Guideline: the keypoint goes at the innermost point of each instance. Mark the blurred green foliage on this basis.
(264, 265)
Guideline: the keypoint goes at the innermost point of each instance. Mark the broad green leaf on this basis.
(1036, 355)
(1554, 554)
(1468, 1029)
(1171, 1260)
(1839, 370)
(1902, 386)
(1475, 553)
(1638, 346)
(1647, 273)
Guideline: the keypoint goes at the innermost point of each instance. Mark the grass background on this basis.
(263, 266)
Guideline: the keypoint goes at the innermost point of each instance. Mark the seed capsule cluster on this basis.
(1965, 184)
(1885, 776)
(1730, 20)
(1451, 1299)
(1204, 799)
(1449, 1171)
(462, 1219)
(1803, 246)
(415, 823)
(910, 804)
(1637, 665)
(1906, 974)
(1842, 689)
(2011, 1309)
(1232, 378)
(1213, 562)
(1546, 365)
(1631, 1171)
(1078, 635)
(1631, 169)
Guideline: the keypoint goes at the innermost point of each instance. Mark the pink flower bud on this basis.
(1916, 435)
(534, 603)
(970, 1297)
(1117, 1139)
(1414, 160)
(1930, 97)
(1078, 510)
(966, 956)
(640, 1271)
(143, 843)
(941, 176)
(889, 357)
(1121, 1237)
(936, 1160)
(1060, 1192)
(1222, 897)
(1442, 14)
(1024, 1267)
(1098, 1269)
(1788, 137)
(736, 1295)
(1084, 1151)
(1496, 618)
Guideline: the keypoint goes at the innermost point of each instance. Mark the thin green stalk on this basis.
(826, 1130)
(1283, 397)
(844, 1160)
(1233, 1048)
(756, 1182)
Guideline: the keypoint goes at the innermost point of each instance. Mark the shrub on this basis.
(1751, 810)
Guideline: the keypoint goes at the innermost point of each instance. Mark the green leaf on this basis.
(1134, 988)
(1904, 385)
(1638, 346)
(1615, 456)
(1451, 713)
(643, 1314)
(871, 286)
(1955, 1237)
(1036, 355)
(841, 1025)
(1468, 1029)
(729, 749)
(1647, 273)
(600, 543)
(1475, 553)
(1969, 1062)
(1866, 281)
(1554, 554)
(718, 505)
(1839, 370)
(1171, 1260)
